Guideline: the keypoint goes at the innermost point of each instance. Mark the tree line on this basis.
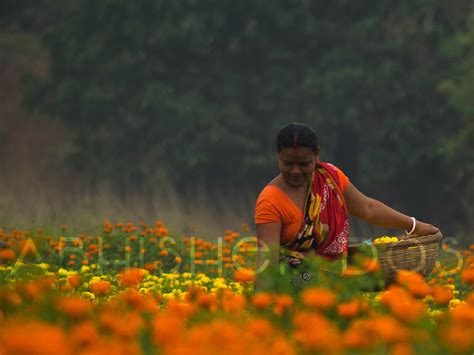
(194, 92)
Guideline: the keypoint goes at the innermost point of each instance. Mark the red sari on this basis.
(326, 220)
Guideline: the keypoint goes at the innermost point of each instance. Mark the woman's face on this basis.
(297, 165)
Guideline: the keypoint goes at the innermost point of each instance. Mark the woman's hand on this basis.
(424, 229)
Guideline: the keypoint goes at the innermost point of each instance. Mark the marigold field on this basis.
(137, 289)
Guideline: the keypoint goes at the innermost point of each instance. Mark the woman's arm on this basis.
(268, 237)
(379, 214)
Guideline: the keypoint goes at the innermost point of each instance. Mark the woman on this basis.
(305, 208)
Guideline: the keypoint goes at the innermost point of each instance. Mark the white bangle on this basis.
(412, 228)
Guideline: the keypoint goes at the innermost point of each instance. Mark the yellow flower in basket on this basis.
(385, 239)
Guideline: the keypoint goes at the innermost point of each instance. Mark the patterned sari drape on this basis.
(326, 222)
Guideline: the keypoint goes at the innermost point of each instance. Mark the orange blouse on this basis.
(274, 205)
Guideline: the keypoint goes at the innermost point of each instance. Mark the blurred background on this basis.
(168, 109)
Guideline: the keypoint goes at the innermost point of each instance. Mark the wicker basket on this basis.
(414, 253)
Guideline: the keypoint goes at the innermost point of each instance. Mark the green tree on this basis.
(458, 149)
(174, 89)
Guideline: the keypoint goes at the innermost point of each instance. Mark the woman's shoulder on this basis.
(329, 165)
(343, 179)
(270, 191)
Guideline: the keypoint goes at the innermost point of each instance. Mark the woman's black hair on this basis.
(296, 134)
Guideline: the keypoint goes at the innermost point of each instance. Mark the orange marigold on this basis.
(463, 315)
(416, 310)
(326, 340)
(74, 306)
(319, 298)
(233, 303)
(458, 338)
(470, 298)
(207, 301)
(7, 254)
(167, 329)
(132, 277)
(244, 275)
(390, 330)
(348, 309)
(33, 337)
(262, 300)
(101, 287)
(260, 328)
(84, 334)
(441, 294)
(467, 276)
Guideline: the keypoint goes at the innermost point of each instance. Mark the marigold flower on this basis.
(390, 330)
(458, 338)
(167, 329)
(470, 298)
(463, 314)
(441, 294)
(402, 349)
(319, 298)
(207, 301)
(233, 303)
(261, 328)
(132, 277)
(151, 266)
(33, 337)
(7, 254)
(359, 335)
(316, 333)
(99, 287)
(399, 309)
(348, 309)
(84, 334)
(467, 276)
(244, 275)
(262, 300)
(74, 306)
